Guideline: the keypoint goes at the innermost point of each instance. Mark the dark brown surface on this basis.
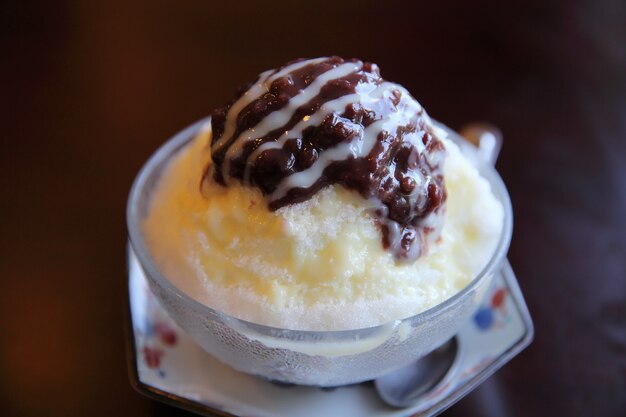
(89, 89)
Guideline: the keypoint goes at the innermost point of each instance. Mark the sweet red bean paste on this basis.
(313, 123)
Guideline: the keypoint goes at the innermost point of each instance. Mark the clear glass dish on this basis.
(321, 358)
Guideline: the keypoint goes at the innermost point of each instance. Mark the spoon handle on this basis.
(486, 137)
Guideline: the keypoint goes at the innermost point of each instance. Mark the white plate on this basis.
(167, 365)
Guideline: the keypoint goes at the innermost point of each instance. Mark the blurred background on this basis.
(89, 89)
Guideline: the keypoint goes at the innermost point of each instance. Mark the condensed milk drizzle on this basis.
(312, 123)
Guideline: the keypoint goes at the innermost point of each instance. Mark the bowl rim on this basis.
(180, 139)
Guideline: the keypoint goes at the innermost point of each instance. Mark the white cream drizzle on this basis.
(369, 95)
(359, 147)
(261, 87)
(282, 116)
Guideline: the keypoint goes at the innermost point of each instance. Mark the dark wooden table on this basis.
(90, 89)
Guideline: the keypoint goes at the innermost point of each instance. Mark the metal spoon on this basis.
(486, 137)
(406, 386)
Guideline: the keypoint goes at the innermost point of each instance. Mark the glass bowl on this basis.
(319, 358)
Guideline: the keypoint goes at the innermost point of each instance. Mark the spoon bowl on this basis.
(407, 385)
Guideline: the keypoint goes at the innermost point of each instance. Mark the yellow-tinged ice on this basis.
(317, 265)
